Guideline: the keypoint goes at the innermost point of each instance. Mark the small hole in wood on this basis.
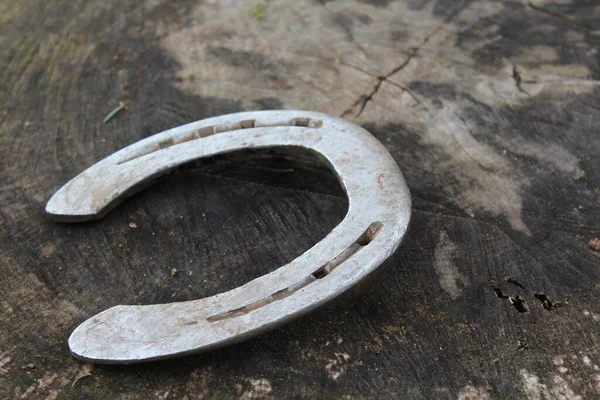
(517, 301)
(548, 303)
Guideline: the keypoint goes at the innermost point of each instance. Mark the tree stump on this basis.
(490, 108)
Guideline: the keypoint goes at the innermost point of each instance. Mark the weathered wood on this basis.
(490, 108)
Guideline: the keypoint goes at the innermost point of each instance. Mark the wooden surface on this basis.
(491, 109)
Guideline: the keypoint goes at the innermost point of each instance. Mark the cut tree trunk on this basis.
(490, 108)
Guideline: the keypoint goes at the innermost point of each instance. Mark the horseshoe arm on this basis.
(376, 222)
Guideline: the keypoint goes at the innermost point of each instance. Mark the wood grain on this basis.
(490, 108)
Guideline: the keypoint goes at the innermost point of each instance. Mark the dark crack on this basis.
(517, 301)
(346, 27)
(548, 303)
(365, 98)
(515, 282)
(518, 80)
(343, 23)
(411, 93)
(564, 18)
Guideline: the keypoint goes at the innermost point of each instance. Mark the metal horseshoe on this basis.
(377, 220)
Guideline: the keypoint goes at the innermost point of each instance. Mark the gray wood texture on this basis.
(490, 108)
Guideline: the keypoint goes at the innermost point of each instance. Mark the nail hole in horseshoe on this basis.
(363, 240)
(214, 129)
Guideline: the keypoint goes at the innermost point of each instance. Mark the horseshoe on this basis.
(377, 220)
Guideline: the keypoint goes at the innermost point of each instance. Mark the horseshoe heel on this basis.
(376, 222)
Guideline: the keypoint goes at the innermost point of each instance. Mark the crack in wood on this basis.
(365, 98)
(564, 18)
(515, 282)
(518, 80)
(347, 30)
